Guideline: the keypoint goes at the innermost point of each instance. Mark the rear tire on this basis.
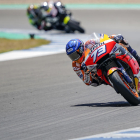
(122, 87)
(74, 26)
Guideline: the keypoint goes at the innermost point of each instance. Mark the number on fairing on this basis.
(98, 52)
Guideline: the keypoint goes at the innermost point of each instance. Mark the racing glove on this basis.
(84, 67)
(119, 39)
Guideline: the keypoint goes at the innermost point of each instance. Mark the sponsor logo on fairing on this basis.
(114, 49)
(97, 45)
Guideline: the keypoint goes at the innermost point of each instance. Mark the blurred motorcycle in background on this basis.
(53, 15)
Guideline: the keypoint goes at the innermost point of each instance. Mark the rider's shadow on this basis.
(108, 104)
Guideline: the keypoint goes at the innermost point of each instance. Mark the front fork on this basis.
(126, 76)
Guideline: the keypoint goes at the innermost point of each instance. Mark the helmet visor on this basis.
(74, 56)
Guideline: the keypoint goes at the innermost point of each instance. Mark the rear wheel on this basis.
(124, 88)
(75, 26)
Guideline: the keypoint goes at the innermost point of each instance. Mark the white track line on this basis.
(130, 134)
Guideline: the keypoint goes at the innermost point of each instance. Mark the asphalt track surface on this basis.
(42, 98)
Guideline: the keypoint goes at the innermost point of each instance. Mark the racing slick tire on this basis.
(75, 26)
(124, 89)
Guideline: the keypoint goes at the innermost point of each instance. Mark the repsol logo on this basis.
(97, 45)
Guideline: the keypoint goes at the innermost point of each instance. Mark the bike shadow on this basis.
(108, 104)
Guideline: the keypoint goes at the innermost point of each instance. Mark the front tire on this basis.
(125, 90)
(74, 26)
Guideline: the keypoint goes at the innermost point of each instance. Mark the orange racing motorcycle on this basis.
(114, 66)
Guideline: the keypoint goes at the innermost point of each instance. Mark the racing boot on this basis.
(138, 59)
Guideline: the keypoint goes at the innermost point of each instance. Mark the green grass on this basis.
(7, 45)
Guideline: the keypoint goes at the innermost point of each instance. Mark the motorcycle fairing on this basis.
(108, 46)
(66, 20)
(122, 54)
(94, 55)
(131, 61)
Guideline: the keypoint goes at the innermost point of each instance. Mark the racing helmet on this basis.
(30, 9)
(31, 13)
(75, 50)
(45, 6)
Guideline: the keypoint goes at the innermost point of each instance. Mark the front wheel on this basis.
(75, 26)
(123, 87)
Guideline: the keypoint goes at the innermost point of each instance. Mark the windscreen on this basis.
(92, 40)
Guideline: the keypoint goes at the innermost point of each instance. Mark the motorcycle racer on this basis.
(75, 49)
(46, 16)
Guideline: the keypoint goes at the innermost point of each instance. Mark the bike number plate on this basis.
(98, 52)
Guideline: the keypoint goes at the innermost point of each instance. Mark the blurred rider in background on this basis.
(46, 16)
(75, 50)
